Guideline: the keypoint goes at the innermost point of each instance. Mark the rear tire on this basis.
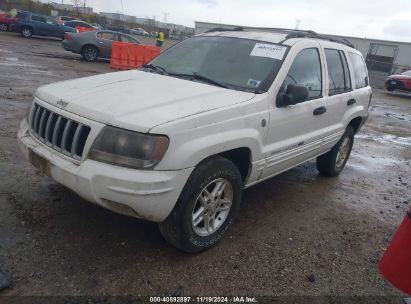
(26, 32)
(89, 53)
(206, 208)
(4, 27)
(333, 162)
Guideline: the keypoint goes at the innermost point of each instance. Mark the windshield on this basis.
(239, 64)
(408, 73)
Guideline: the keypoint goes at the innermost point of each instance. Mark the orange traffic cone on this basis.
(395, 265)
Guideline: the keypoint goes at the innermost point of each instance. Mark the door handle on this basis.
(350, 102)
(320, 110)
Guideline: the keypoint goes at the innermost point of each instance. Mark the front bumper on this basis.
(397, 84)
(150, 195)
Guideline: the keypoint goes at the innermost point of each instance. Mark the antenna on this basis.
(297, 23)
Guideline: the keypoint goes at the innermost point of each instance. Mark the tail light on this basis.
(67, 36)
(369, 102)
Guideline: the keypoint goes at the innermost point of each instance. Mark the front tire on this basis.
(4, 27)
(333, 162)
(26, 32)
(206, 208)
(90, 53)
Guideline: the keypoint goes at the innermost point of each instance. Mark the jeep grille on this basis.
(58, 132)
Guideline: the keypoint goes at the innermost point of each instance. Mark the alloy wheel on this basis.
(212, 207)
(343, 152)
(90, 54)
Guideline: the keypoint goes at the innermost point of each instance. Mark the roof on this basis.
(283, 36)
(254, 35)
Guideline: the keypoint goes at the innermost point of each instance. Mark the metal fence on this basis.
(379, 71)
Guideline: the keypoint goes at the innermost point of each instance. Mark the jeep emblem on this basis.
(62, 103)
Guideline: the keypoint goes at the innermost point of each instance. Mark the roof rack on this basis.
(314, 35)
(290, 33)
(222, 29)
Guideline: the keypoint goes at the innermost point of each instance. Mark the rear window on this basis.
(359, 71)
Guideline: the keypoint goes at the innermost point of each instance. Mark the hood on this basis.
(400, 77)
(137, 100)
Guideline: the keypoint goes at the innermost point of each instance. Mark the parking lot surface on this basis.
(296, 234)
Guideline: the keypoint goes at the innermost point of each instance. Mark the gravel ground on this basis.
(297, 234)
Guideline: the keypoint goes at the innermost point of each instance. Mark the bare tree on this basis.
(76, 4)
(80, 5)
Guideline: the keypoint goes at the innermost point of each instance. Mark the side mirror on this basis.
(294, 94)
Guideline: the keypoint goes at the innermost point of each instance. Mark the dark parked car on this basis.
(401, 82)
(95, 44)
(29, 24)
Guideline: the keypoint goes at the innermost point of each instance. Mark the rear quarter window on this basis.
(359, 71)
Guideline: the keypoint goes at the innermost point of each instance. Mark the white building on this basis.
(84, 10)
(383, 57)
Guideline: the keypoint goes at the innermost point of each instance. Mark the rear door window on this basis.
(338, 73)
(38, 18)
(359, 71)
(306, 70)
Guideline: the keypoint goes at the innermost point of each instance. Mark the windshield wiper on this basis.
(198, 76)
(156, 68)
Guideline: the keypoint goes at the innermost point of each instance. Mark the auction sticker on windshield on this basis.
(268, 50)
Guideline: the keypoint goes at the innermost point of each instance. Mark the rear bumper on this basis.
(150, 195)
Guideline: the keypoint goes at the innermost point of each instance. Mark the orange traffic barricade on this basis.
(395, 265)
(126, 56)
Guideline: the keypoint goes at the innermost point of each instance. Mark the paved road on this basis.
(297, 234)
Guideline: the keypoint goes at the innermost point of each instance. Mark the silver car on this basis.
(95, 44)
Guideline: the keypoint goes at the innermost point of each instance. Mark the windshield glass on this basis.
(240, 64)
(408, 73)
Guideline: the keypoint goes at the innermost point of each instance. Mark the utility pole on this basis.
(122, 12)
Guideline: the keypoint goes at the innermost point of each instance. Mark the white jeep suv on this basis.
(177, 141)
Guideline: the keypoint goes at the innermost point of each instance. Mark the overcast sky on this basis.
(362, 18)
